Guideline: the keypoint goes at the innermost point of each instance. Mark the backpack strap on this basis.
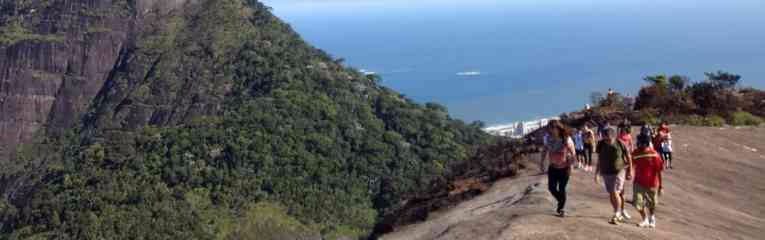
(625, 152)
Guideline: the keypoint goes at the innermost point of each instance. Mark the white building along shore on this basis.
(518, 129)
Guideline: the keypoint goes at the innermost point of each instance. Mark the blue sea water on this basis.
(535, 58)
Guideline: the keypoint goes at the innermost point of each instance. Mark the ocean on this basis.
(504, 61)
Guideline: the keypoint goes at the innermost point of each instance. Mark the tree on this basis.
(659, 80)
(374, 78)
(723, 80)
(478, 124)
(435, 107)
(678, 83)
(711, 99)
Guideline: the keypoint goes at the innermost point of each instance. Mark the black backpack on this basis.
(646, 130)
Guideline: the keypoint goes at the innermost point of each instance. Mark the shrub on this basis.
(648, 116)
(714, 121)
(754, 101)
(742, 118)
(269, 221)
(709, 121)
(694, 120)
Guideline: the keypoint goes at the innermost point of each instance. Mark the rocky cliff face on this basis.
(55, 56)
(54, 59)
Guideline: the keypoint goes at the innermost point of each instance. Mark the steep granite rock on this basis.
(53, 59)
(55, 56)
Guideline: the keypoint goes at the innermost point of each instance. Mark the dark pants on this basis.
(588, 149)
(557, 179)
(667, 156)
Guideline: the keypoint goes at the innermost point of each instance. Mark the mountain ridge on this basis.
(216, 119)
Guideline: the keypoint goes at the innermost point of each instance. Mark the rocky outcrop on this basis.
(54, 58)
(50, 73)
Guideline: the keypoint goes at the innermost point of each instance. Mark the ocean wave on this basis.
(469, 73)
(366, 72)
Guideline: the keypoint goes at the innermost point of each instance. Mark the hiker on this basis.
(614, 166)
(661, 135)
(648, 183)
(545, 143)
(589, 147)
(646, 130)
(579, 144)
(666, 150)
(602, 130)
(560, 150)
(625, 136)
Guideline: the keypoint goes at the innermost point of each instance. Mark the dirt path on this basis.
(716, 191)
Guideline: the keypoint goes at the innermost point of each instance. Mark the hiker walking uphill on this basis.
(560, 150)
(545, 143)
(589, 147)
(602, 129)
(614, 166)
(648, 183)
(579, 144)
(625, 136)
(646, 130)
(662, 142)
(666, 151)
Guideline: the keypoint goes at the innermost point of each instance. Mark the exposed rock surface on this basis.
(715, 192)
(51, 81)
(64, 51)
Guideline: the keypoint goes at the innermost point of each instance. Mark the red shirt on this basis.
(648, 165)
(660, 136)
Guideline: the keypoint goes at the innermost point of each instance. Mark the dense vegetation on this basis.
(715, 101)
(219, 122)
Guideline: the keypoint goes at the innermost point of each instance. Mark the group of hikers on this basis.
(619, 159)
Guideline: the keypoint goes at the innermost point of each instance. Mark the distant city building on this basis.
(518, 129)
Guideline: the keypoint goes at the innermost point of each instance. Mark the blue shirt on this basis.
(578, 140)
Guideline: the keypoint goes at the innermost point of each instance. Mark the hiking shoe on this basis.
(652, 222)
(615, 220)
(625, 215)
(644, 224)
(562, 213)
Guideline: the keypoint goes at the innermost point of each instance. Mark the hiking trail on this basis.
(716, 191)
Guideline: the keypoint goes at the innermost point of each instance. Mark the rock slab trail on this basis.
(716, 191)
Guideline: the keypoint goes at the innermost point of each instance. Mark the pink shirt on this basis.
(626, 139)
(558, 153)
